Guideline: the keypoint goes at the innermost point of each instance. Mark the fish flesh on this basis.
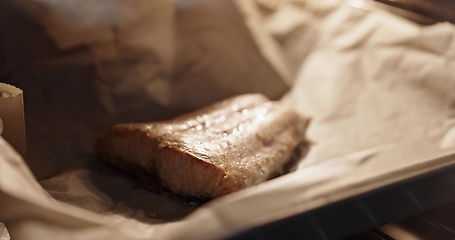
(211, 152)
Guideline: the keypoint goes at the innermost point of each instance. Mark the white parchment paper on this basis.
(4, 235)
(377, 87)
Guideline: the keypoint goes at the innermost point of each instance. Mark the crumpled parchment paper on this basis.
(4, 235)
(157, 50)
(392, 81)
(364, 78)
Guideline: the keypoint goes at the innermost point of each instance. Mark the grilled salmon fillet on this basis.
(219, 149)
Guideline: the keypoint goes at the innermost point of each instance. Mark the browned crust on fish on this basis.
(211, 152)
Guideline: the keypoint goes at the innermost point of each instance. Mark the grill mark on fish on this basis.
(211, 152)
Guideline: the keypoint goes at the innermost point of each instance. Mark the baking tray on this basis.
(424, 185)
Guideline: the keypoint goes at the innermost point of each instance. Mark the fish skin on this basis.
(219, 149)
